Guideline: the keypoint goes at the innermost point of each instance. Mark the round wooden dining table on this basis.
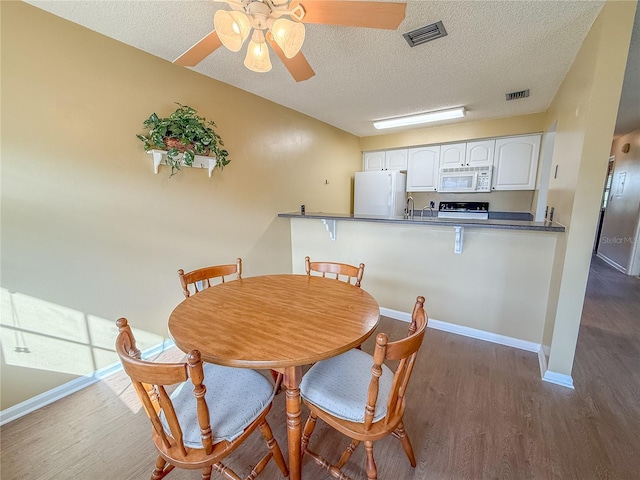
(278, 322)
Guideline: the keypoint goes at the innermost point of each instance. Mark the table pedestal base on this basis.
(291, 382)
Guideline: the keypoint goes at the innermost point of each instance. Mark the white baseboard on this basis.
(32, 404)
(558, 379)
(545, 374)
(466, 331)
(542, 360)
(611, 262)
(396, 314)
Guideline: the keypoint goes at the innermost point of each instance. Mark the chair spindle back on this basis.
(201, 278)
(342, 271)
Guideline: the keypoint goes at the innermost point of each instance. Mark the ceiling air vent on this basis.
(517, 95)
(425, 34)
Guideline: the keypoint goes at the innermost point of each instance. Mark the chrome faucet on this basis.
(430, 207)
(410, 210)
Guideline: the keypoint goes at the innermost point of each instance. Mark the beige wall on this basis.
(90, 234)
(623, 210)
(585, 109)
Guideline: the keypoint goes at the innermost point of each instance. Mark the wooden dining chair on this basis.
(361, 397)
(201, 278)
(342, 271)
(210, 414)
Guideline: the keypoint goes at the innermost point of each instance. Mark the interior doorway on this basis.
(603, 203)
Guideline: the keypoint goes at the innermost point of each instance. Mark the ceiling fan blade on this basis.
(387, 15)
(199, 51)
(298, 66)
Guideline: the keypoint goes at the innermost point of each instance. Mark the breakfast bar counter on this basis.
(490, 278)
(428, 220)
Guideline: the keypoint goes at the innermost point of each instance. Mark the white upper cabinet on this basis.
(514, 160)
(480, 153)
(385, 160)
(468, 154)
(515, 163)
(452, 155)
(373, 161)
(422, 169)
(396, 159)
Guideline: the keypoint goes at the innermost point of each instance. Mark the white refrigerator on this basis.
(380, 193)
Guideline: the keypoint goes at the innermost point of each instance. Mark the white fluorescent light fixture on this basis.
(420, 118)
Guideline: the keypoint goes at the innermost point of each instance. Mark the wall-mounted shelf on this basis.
(200, 161)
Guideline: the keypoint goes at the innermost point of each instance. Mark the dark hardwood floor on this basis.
(476, 411)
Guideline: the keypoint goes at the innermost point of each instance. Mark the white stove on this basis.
(464, 210)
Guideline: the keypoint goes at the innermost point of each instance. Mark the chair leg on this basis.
(225, 471)
(277, 380)
(372, 471)
(274, 448)
(255, 471)
(333, 470)
(346, 455)
(161, 469)
(206, 472)
(401, 434)
(309, 425)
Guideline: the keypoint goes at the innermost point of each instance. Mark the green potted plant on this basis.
(184, 134)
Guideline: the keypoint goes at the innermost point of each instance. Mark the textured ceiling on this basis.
(492, 48)
(629, 110)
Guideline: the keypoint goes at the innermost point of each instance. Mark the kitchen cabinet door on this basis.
(452, 155)
(385, 160)
(374, 161)
(515, 163)
(480, 153)
(396, 159)
(422, 169)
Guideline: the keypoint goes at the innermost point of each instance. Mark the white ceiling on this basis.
(362, 75)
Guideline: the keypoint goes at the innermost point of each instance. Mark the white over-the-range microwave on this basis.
(465, 179)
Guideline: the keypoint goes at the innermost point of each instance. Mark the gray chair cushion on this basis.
(339, 386)
(235, 396)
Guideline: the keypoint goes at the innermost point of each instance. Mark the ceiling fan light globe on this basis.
(233, 28)
(288, 35)
(257, 58)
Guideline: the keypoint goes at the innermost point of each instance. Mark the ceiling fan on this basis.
(265, 18)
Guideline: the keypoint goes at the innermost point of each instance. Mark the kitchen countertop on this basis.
(504, 224)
